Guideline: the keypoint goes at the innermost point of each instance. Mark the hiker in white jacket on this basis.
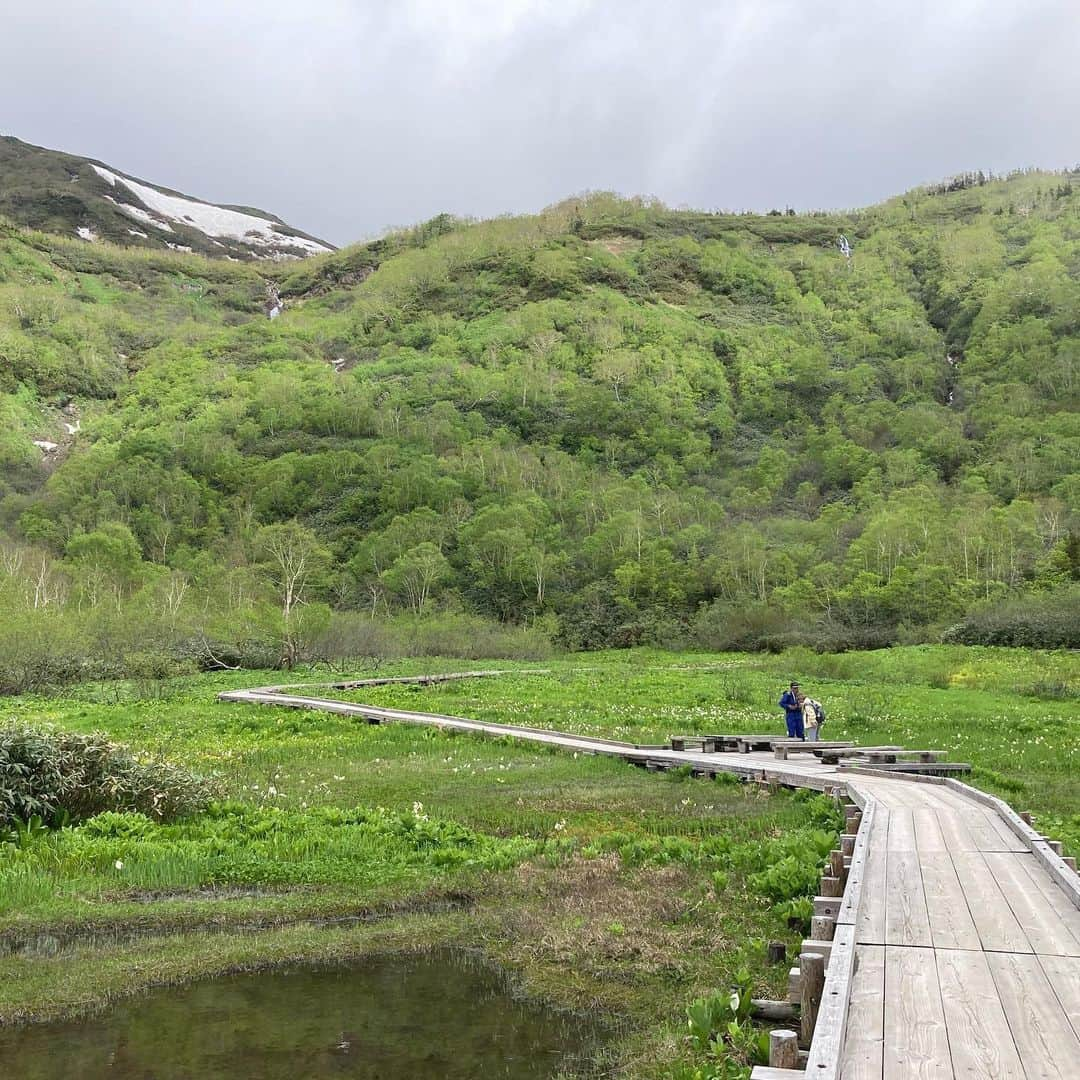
(813, 718)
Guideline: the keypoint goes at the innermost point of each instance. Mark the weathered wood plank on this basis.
(916, 1044)
(955, 832)
(978, 1029)
(951, 925)
(1054, 894)
(1063, 974)
(932, 768)
(901, 830)
(1008, 839)
(986, 837)
(862, 1057)
(998, 928)
(855, 894)
(1044, 1037)
(1044, 927)
(1064, 877)
(906, 918)
(870, 923)
(928, 834)
(827, 1048)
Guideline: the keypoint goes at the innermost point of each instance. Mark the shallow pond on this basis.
(390, 1018)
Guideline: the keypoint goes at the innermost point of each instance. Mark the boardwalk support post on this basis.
(812, 985)
(777, 952)
(837, 869)
(794, 986)
(783, 1049)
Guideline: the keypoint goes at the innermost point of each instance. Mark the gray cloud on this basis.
(345, 117)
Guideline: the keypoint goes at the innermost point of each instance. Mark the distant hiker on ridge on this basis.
(791, 703)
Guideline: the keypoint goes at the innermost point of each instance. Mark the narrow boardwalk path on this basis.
(956, 951)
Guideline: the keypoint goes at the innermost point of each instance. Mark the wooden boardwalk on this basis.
(956, 951)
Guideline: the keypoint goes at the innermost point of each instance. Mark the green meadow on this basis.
(641, 897)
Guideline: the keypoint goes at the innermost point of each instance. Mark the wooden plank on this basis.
(855, 894)
(933, 768)
(1045, 928)
(986, 837)
(863, 1042)
(894, 793)
(1008, 839)
(827, 1047)
(766, 1072)
(870, 923)
(857, 795)
(1063, 974)
(978, 1029)
(998, 928)
(1055, 895)
(916, 1045)
(890, 753)
(812, 747)
(1067, 879)
(955, 831)
(1046, 1041)
(906, 919)
(951, 925)
(928, 834)
(901, 830)
(1007, 814)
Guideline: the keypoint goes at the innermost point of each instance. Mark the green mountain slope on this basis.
(75, 196)
(611, 421)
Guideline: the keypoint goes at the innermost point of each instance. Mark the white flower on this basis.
(118, 864)
(560, 825)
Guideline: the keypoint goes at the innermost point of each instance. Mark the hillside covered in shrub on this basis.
(610, 423)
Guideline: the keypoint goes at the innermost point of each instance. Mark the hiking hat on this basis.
(794, 683)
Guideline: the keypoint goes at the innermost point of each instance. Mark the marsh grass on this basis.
(606, 887)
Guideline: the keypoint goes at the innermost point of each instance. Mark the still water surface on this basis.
(393, 1018)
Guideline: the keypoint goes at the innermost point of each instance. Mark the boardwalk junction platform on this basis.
(947, 929)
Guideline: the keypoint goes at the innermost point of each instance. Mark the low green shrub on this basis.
(1040, 620)
(59, 776)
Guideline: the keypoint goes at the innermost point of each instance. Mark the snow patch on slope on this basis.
(139, 214)
(212, 220)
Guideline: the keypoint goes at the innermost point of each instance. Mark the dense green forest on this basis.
(610, 423)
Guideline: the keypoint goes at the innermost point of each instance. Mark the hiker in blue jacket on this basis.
(791, 703)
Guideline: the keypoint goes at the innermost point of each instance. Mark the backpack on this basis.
(819, 712)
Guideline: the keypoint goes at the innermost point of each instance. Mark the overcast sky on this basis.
(348, 116)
